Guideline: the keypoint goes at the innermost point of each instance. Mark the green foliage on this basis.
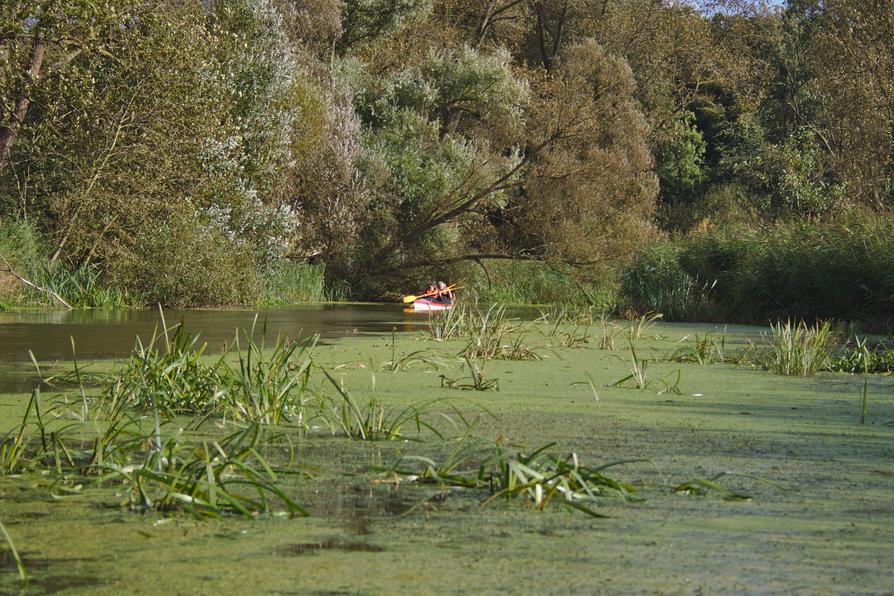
(180, 152)
(538, 478)
(368, 21)
(181, 263)
(476, 381)
(794, 349)
(289, 282)
(533, 282)
(681, 160)
(839, 270)
(861, 359)
(656, 281)
(86, 286)
(789, 177)
(167, 374)
(226, 477)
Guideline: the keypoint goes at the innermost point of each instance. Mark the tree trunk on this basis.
(9, 130)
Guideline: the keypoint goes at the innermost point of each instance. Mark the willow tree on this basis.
(39, 42)
(589, 195)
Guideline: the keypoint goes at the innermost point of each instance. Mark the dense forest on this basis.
(710, 161)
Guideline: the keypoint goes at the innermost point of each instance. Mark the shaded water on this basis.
(111, 333)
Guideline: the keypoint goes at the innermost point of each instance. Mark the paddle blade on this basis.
(409, 299)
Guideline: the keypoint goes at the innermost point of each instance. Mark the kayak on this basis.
(426, 305)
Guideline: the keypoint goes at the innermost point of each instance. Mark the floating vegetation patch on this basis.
(539, 478)
(211, 479)
(709, 486)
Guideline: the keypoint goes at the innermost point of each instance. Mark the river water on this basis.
(109, 334)
(112, 333)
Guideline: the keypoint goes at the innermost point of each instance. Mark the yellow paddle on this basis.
(409, 299)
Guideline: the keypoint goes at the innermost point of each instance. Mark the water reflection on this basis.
(111, 333)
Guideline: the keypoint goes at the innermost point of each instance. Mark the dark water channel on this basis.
(111, 334)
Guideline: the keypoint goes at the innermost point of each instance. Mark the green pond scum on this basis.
(594, 457)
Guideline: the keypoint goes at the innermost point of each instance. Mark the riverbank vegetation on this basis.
(719, 160)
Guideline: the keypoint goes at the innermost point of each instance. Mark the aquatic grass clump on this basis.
(493, 337)
(638, 370)
(171, 378)
(468, 320)
(267, 389)
(265, 386)
(639, 377)
(215, 478)
(15, 443)
(860, 358)
(83, 287)
(448, 324)
(417, 357)
(705, 486)
(794, 349)
(539, 478)
(212, 479)
(374, 421)
(476, 380)
(640, 325)
(704, 350)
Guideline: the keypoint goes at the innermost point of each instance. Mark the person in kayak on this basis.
(444, 294)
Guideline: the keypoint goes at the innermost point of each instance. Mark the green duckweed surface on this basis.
(821, 517)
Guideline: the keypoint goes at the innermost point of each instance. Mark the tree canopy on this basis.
(168, 143)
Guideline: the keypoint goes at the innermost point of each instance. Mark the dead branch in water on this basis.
(34, 285)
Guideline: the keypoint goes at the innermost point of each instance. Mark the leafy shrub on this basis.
(185, 263)
(657, 282)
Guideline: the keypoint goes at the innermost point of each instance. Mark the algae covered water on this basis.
(818, 517)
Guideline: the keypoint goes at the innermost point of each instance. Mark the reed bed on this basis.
(796, 349)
